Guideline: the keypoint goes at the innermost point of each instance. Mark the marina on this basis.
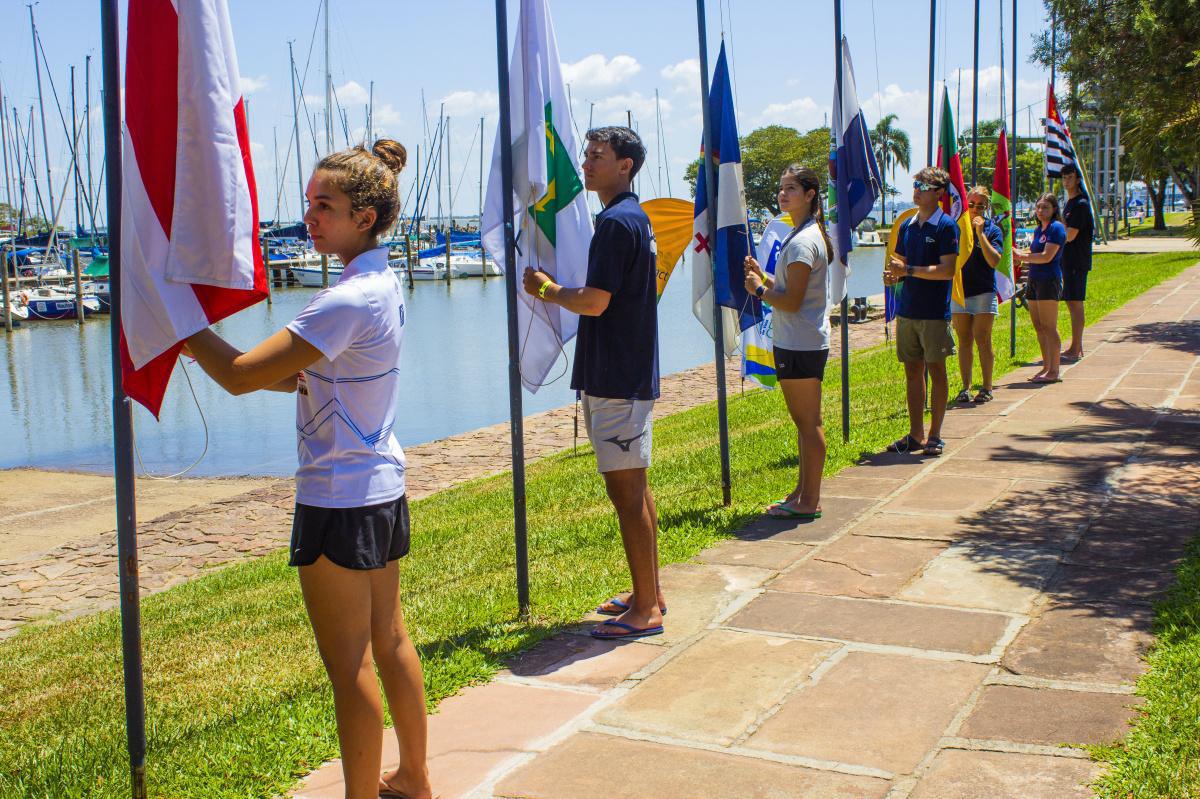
(454, 370)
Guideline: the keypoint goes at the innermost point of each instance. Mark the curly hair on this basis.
(369, 178)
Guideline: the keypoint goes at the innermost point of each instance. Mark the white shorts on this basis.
(620, 432)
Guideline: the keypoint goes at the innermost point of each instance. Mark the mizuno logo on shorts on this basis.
(624, 443)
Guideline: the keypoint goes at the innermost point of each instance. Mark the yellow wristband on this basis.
(542, 290)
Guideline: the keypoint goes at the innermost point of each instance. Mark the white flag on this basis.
(550, 214)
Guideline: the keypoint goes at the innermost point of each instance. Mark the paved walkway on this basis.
(947, 631)
(68, 566)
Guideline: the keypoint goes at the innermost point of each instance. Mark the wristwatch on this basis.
(908, 270)
(758, 292)
(542, 290)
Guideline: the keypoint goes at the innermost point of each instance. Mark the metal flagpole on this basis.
(131, 632)
(932, 45)
(845, 325)
(1013, 188)
(510, 285)
(975, 106)
(710, 190)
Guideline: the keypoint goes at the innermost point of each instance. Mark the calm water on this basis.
(454, 370)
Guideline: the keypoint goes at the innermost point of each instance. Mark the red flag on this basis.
(954, 202)
(189, 207)
(1002, 209)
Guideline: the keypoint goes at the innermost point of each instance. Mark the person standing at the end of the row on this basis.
(616, 365)
(1044, 289)
(925, 263)
(973, 319)
(799, 297)
(1077, 256)
(351, 524)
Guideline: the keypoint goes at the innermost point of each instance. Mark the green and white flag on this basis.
(550, 215)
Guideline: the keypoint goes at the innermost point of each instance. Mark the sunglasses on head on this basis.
(980, 205)
(921, 185)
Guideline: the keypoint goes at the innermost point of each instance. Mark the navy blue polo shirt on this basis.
(616, 353)
(977, 276)
(1054, 233)
(1077, 254)
(924, 245)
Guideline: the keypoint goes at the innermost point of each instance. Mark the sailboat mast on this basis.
(87, 113)
(75, 152)
(328, 89)
(4, 145)
(296, 133)
(278, 183)
(371, 114)
(37, 68)
(449, 201)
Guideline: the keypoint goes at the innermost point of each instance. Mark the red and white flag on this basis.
(189, 207)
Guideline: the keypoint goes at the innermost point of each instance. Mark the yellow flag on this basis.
(966, 243)
(671, 220)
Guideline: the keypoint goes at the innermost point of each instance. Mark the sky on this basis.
(423, 56)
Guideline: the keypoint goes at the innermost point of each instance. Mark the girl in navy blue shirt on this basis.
(1045, 286)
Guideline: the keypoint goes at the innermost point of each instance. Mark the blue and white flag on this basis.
(732, 242)
(758, 342)
(854, 172)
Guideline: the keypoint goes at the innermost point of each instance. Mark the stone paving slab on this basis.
(958, 774)
(761, 554)
(1094, 644)
(587, 662)
(859, 566)
(874, 622)
(837, 512)
(989, 577)
(880, 711)
(742, 675)
(1050, 717)
(591, 766)
(463, 744)
(949, 495)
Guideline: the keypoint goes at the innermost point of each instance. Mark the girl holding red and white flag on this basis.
(342, 354)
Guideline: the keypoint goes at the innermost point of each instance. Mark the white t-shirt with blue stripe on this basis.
(348, 455)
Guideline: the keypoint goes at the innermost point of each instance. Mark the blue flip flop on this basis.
(630, 630)
(620, 603)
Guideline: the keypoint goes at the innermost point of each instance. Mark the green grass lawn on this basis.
(1160, 758)
(237, 703)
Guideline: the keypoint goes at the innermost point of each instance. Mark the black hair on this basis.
(1052, 199)
(1068, 169)
(623, 141)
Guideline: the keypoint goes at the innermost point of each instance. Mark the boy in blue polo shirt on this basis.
(924, 264)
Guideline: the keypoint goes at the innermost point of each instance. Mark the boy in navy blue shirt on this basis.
(616, 365)
(925, 264)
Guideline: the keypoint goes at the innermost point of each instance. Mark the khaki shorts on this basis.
(930, 340)
(620, 432)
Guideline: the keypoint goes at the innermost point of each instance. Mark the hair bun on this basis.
(392, 153)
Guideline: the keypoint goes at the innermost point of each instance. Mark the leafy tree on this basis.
(1139, 60)
(892, 148)
(766, 152)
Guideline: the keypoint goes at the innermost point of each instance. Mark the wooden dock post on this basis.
(4, 258)
(266, 253)
(80, 313)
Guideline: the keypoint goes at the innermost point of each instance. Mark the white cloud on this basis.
(597, 72)
(611, 110)
(684, 76)
(803, 114)
(351, 93)
(251, 85)
(469, 103)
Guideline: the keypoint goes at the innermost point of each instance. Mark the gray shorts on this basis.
(930, 340)
(620, 432)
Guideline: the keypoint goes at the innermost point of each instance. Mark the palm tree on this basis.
(892, 148)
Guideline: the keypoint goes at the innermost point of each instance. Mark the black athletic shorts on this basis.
(1044, 290)
(800, 364)
(1075, 285)
(353, 538)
